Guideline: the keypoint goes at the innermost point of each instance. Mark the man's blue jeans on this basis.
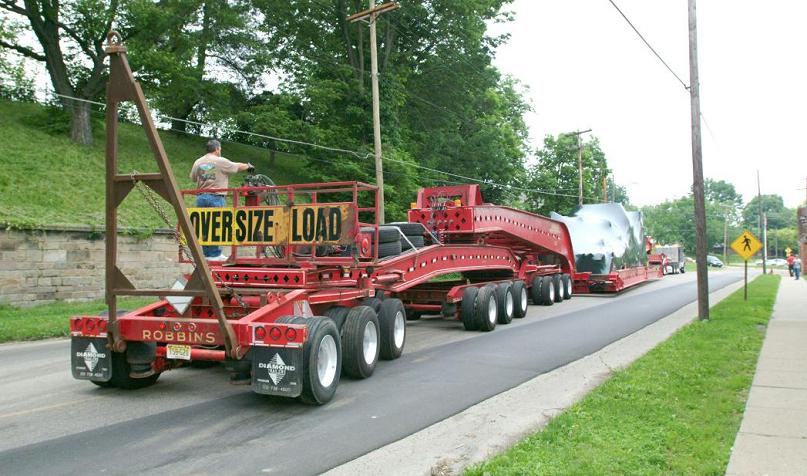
(209, 200)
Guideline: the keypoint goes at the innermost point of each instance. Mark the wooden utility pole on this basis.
(761, 232)
(580, 166)
(371, 15)
(697, 169)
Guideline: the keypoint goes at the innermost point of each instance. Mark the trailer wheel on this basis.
(558, 288)
(487, 308)
(504, 297)
(417, 241)
(360, 342)
(389, 249)
(566, 281)
(392, 321)
(409, 228)
(468, 309)
(338, 314)
(322, 358)
(547, 291)
(535, 290)
(386, 234)
(373, 302)
(120, 375)
(519, 299)
(413, 315)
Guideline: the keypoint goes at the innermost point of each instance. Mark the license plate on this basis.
(177, 351)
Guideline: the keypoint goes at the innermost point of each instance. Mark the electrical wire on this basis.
(359, 155)
(649, 46)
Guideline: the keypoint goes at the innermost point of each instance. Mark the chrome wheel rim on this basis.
(327, 356)
(399, 331)
(508, 302)
(523, 300)
(551, 291)
(369, 342)
(569, 288)
(492, 311)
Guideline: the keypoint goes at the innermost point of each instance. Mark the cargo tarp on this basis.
(605, 238)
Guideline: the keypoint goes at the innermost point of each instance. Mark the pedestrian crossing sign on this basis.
(746, 245)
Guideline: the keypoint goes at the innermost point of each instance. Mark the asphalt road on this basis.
(193, 421)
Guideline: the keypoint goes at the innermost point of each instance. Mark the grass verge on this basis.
(45, 179)
(676, 410)
(51, 320)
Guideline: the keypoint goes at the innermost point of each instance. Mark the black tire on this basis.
(558, 289)
(468, 309)
(487, 308)
(413, 315)
(407, 228)
(520, 301)
(120, 375)
(319, 330)
(356, 362)
(373, 302)
(547, 291)
(417, 241)
(566, 283)
(386, 234)
(389, 249)
(504, 297)
(535, 290)
(338, 315)
(392, 325)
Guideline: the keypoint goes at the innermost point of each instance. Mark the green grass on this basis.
(676, 410)
(51, 320)
(45, 179)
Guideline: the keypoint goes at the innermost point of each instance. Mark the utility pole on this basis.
(371, 15)
(580, 166)
(697, 168)
(761, 229)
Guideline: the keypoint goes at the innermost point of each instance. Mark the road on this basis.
(193, 421)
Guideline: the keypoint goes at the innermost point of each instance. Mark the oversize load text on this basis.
(299, 224)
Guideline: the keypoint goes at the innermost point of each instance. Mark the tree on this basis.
(555, 177)
(197, 59)
(774, 207)
(70, 38)
(443, 105)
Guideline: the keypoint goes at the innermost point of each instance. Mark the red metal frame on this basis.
(467, 235)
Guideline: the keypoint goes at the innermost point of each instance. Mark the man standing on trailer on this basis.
(212, 171)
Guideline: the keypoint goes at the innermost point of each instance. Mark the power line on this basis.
(649, 46)
(353, 153)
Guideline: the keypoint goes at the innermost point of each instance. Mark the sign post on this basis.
(746, 245)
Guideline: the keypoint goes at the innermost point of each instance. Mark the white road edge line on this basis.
(491, 426)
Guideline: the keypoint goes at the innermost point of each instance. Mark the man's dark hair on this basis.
(212, 145)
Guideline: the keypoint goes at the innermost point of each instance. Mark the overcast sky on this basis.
(585, 68)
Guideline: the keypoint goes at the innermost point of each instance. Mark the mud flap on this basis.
(277, 371)
(90, 359)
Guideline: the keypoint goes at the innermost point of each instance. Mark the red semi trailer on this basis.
(313, 287)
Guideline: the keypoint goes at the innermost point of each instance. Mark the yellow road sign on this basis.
(746, 245)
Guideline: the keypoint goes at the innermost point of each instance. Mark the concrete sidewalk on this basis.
(773, 435)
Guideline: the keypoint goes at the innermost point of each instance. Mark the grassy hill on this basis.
(45, 179)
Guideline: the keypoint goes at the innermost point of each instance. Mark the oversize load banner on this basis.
(271, 226)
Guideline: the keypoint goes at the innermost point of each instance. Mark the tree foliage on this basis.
(554, 179)
(70, 42)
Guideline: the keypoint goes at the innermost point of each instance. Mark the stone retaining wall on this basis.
(42, 266)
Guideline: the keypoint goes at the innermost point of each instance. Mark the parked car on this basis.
(713, 261)
(772, 262)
